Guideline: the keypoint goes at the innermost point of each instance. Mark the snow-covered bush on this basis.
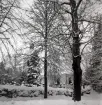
(36, 93)
(60, 92)
(50, 92)
(41, 92)
(67, 93)
(9, 93)
(23, 91)
(97, 88)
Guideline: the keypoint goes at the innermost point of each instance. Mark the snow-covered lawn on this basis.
(52, 102)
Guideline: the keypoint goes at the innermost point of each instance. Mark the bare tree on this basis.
(44, 24)
(76, 11)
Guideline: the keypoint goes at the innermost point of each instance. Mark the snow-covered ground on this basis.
(92, 99)
(51, 102)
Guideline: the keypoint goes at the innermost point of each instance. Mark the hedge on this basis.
(23, 91)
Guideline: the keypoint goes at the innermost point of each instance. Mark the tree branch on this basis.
(78, 4)
(90, 21)
(67, 11)
(7, 14)
(66, 3)
(84, 47)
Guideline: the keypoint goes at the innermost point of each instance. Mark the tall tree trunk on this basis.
(76, 52)
(45, 61)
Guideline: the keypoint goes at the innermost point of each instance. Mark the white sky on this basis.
(26, 3)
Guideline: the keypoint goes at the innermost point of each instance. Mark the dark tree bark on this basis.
(45, 60)
(76, 52)
(45, 78)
